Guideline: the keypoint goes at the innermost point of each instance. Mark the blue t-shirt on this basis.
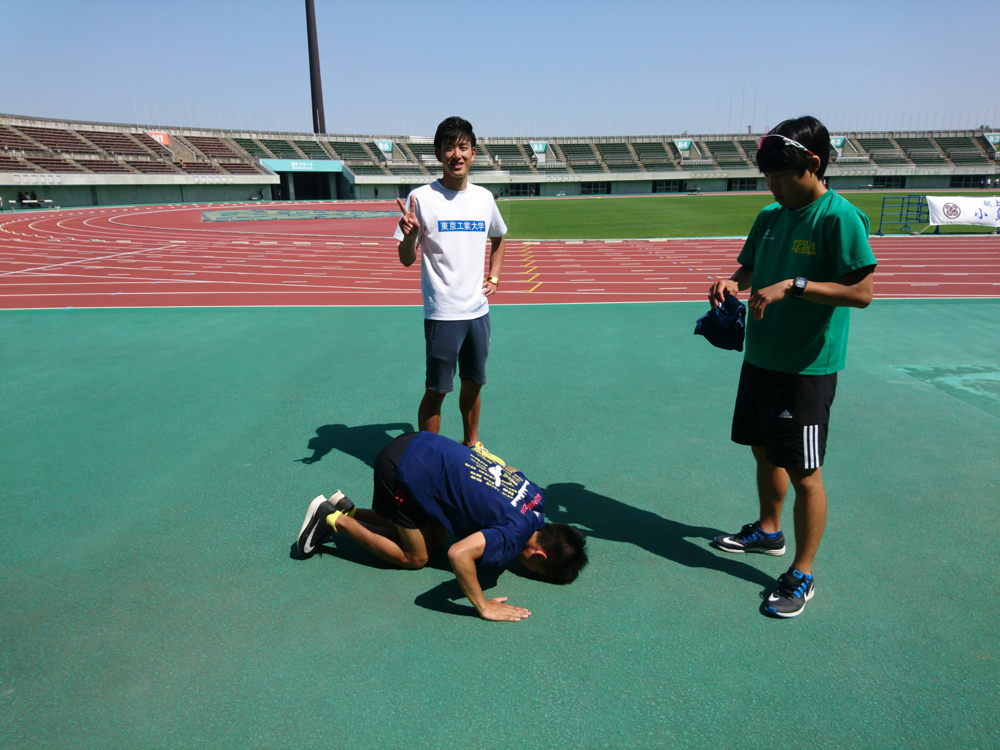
(466, 493)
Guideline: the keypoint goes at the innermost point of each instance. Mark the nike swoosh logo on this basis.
(308, 547)
(773, 598)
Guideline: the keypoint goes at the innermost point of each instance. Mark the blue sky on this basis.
(516, 68)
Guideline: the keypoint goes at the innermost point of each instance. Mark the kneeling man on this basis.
(427, 485)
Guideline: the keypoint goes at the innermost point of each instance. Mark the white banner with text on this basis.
(982, 211)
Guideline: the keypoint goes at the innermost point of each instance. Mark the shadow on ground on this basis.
(606, 518)
(363, 442)
(600, 516)
(447, 597)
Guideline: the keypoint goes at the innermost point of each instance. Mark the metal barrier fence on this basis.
(901, 210)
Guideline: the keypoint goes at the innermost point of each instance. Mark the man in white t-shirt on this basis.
(450, 220)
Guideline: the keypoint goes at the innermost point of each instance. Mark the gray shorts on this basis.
(466, 342)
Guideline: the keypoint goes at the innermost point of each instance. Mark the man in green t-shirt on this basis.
(806, 261)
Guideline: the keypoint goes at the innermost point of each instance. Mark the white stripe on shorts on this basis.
(810, 446)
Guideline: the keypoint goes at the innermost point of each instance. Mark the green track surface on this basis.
(729, 215)
(153, 488)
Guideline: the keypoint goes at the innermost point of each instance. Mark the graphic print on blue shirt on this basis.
(466, 493)
(461, 226)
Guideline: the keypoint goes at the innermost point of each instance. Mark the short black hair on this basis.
(454, 130)
(808, 131)
(565, 551)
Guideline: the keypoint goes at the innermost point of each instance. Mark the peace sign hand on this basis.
(408, 221)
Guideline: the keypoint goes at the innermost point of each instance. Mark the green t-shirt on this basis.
(822, 241)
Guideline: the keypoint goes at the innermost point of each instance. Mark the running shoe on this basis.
(789, 599)
(751, 539)
(342, 503)
(315, 529)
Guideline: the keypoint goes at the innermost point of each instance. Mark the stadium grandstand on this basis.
(72, 163)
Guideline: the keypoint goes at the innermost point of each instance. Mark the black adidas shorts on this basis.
(786, 413)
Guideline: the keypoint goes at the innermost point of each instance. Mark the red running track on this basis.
(165, 256)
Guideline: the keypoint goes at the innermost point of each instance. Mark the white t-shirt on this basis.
(454, 226)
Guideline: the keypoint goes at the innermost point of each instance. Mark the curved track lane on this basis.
(156, 256)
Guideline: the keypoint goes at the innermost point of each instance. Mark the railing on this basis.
(900, 210)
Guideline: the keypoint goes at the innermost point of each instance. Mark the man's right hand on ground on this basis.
(496, 610)
(408, 221)
(717, 294)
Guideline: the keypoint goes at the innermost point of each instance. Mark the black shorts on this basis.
(462, 342)
(786, 413)
(389, 500)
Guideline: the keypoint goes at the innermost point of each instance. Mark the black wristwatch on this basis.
(799, 286)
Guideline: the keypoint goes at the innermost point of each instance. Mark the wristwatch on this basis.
(799, 286)
(494, 280)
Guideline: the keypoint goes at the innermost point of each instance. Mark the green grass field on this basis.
(664, 216)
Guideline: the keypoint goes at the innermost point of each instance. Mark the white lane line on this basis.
(85, 260)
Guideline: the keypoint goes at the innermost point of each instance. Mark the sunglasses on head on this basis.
(771, 142)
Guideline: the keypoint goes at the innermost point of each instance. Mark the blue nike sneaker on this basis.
(751, 539)
(789, 599)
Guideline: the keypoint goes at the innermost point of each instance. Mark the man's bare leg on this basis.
(468, 404)
(407, 548)
(810, 516)
(429, 414)
(772, 485)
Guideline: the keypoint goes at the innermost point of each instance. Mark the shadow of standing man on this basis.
(606, 518)
(362, 442)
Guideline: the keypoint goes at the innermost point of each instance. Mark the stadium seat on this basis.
(8, 164)
(365, 169)
(509, 153)
(252, 147)
(104, 166)
(405, 169)
(282, 149)
(153, 167)
(211, 146)
(152, 144)
(726, 154)
(420, 150)
(578, 151)
(578, 167)
(697, 165)
(11, 140)
(615, 151)
(197, 167)
(883, 151)
(312, 149)
(60, 140)
(922, 151)
(650, 150)
(114, 143)
(54, 165)
(351, 150)
(240, 168)
(963, 151)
